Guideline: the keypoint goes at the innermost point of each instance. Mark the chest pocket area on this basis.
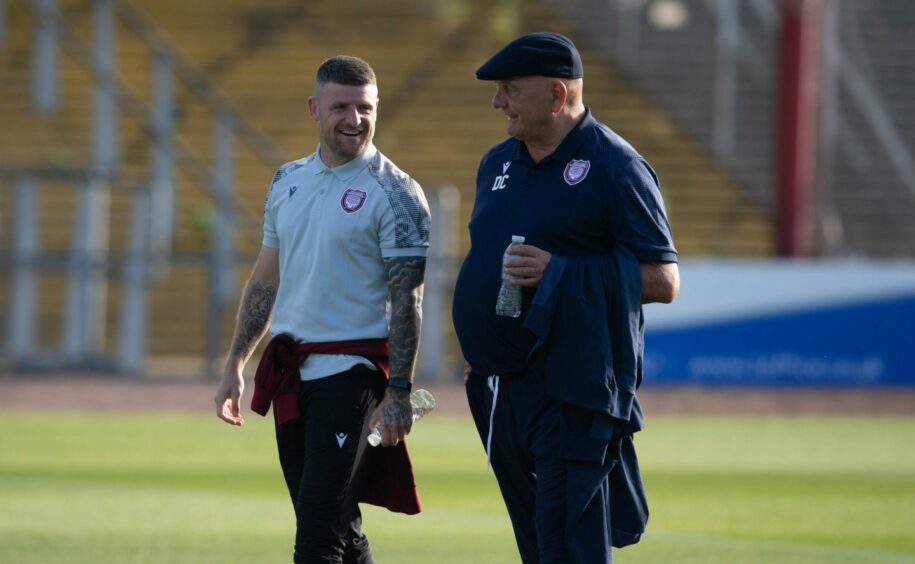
(349, 219)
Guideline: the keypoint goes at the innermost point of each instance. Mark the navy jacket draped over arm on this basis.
(587, 317)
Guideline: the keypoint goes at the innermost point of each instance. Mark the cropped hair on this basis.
(346, 70)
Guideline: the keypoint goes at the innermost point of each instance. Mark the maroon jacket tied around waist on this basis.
(391, 482)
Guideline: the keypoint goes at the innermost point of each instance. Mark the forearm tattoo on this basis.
(404, 276)
(253, 319)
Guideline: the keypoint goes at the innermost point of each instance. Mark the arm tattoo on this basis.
(404, 276)
(253, 319)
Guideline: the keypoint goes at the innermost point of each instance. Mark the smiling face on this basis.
(527, 102)
(346, 119)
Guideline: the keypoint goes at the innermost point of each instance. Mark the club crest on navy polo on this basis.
(541, 53)
(592, 193)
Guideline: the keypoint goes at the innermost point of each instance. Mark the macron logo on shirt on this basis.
(341, 438)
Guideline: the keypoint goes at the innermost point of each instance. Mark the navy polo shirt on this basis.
(593, 192)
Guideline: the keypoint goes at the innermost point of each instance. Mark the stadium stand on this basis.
(435, 121)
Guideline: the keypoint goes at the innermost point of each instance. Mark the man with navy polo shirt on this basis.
(553, 392)
(338, 283)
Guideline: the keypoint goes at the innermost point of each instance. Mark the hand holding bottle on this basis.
(422, 403)
(508, 304)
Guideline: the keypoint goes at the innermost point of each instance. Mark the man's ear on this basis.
(560, 93)
(313, 107)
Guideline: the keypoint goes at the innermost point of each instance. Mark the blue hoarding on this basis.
(785, 323)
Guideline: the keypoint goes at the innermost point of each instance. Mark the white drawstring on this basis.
(493, 383)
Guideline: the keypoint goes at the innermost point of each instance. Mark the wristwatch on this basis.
(400, 383)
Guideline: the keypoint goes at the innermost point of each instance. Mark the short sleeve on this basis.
(270, 237)
(638, 216)
(405, 222)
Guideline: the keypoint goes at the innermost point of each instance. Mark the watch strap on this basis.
(400, 383)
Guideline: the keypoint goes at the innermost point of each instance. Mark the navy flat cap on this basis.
(542, 53)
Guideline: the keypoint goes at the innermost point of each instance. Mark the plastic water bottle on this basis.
(508, 303)
(422, 403)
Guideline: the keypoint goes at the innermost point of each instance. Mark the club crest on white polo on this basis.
(352, 200)
(576, 171)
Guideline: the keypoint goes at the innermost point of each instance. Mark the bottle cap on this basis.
(519, 239)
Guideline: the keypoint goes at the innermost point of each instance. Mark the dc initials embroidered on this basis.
(341, 438)
(292, 190)
(352, 200)
(499, 183)
(576, 171)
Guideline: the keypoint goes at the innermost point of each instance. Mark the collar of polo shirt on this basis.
(346, 170)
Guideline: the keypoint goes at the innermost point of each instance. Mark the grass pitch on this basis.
(94, 488)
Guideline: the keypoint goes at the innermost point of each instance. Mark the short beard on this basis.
(344, 154)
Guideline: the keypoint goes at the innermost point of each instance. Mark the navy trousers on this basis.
(322, 455)
(532, 476)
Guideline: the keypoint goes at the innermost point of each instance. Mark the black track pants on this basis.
(321, 454)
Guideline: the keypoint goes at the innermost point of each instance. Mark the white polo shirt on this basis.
(332, 227)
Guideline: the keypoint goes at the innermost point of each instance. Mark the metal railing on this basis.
(741, 67)
(153, 206)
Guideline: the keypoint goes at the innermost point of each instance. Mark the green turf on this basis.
(82, 488)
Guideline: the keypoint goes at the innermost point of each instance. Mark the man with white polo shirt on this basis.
(346, 233)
